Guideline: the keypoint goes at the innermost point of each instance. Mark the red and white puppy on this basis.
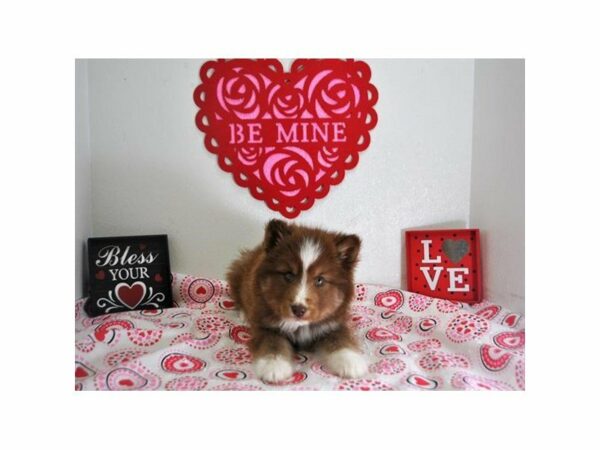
(295, 290)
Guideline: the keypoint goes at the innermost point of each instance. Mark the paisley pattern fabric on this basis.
(412, 342)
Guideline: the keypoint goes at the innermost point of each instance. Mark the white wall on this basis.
(498, 177)
(151, 173)
(83, 186)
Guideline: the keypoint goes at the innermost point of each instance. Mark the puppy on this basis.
(295, 291)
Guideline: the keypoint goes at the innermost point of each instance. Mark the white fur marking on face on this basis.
(309, 253)
(273, 368)
(346, 363)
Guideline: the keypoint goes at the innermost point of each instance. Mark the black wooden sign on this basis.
(128, 273)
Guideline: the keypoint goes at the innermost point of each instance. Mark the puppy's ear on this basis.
(275, 231)
(348, 247)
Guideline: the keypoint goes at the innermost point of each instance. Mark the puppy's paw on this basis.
(273, 368)
(347, 363)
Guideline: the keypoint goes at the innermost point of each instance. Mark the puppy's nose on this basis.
(298, 310)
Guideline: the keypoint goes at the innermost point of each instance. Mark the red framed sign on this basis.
(286, 136)
(444, 264)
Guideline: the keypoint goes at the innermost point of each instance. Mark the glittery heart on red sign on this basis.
(286, 136)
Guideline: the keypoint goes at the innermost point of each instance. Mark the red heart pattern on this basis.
(489, 312)
(469, 382)
(391, 349)
(286, 136)
(180, 363)
(296, 378)
(230, 374)
(494, 358)
(107, 331)
(448, 306)
(131, 376)
(419, 303)
(422, 382)
(426, 326)
(83, 371)
(186, 383)
(144, 337)
(425, 344)
(381, 334)
(510, 340)
(234, 355)
(391, 300)
(388, 366)
(402, 325)
(240, 334)
(146, 350)
(115, 359)
(363, 385)
(438, 360)
(227, 305)
(466, 327)
(388, 314)
(511, 320)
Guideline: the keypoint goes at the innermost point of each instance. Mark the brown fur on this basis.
(259, 286)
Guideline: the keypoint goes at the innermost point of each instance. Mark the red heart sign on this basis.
(286, 136)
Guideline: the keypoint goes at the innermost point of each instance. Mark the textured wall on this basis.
(151, 174)
(498, 180)
(83, 170)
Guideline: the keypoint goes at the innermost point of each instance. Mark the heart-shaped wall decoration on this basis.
(286, 136)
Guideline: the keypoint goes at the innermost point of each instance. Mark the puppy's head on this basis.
(307, 274)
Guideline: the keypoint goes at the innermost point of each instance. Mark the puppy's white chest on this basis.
(303, 333)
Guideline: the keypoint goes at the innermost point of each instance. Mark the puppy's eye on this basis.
(319, 281)
(289, 277)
